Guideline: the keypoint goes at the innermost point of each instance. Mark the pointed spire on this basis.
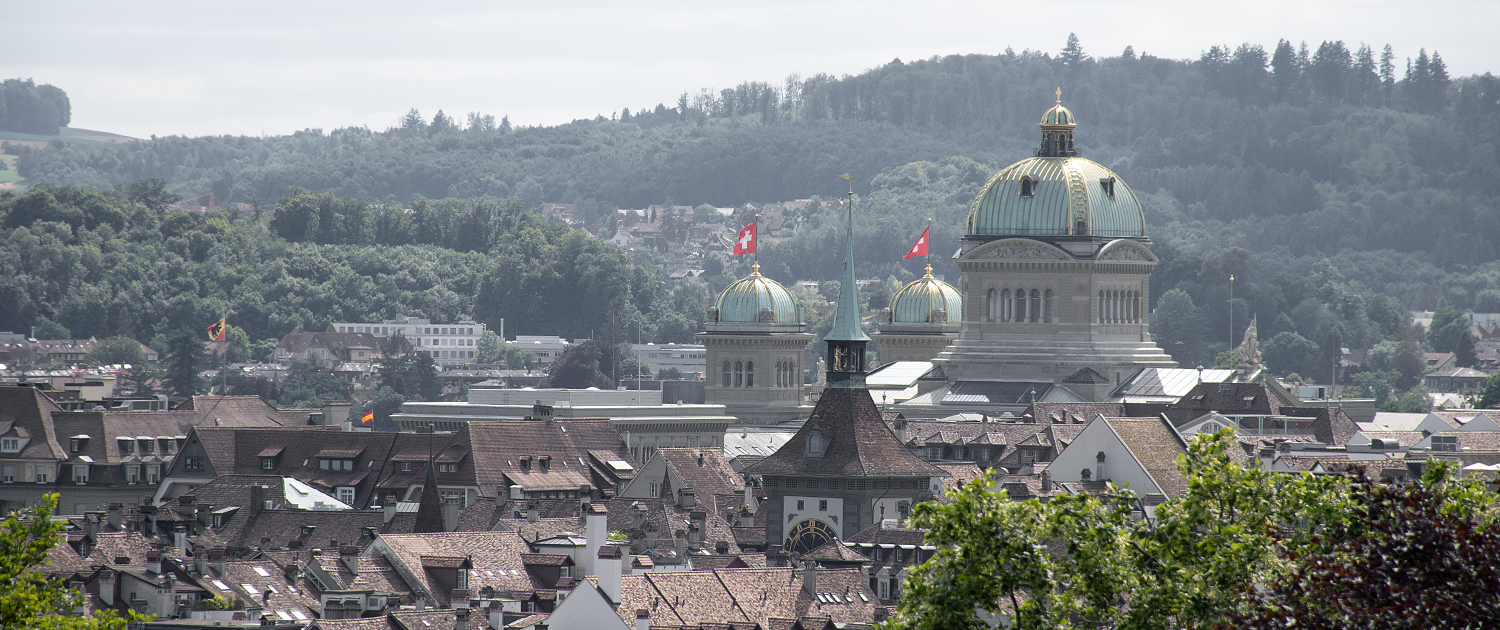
(430, 509)
(846, 320)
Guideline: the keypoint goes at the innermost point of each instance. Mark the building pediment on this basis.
(1126, 250)
(1016, 249)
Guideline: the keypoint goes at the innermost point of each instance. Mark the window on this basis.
(1047, 302)
(726, 374)
(10, 445)
(799, 504)
(127, 447)
(42, 473)
(990, 306)
(1445, 443)
(1020, 306)
(196, 463)
(822, 505)
(153, 474)
(80, 473)
(266, 463)
(1026, 186)
(739, 374)
(346, 496)
(566, 571)
(885, 588)
(405, 466)
(1005, 306)
(75, 445)
(655, 490)
(8, 474)
(749, 374)
(447, 468)
(1035, 312)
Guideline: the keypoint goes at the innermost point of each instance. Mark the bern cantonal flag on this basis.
(745, 244)
(920, 248)
(216, 331)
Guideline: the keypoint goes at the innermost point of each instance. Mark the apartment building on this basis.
(449, 344)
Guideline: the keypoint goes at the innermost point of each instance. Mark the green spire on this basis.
(846, 319)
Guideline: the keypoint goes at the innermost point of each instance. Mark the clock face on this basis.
(807, 535)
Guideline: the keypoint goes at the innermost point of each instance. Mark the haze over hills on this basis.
(1384, 167)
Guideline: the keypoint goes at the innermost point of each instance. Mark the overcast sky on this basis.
(143, 68)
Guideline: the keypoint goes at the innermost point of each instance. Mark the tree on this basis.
(1178, 327)
(1414, 400)
(117, 350)
(185, 357)
(488, 348)
(309, 384)
(1450, 332)
(583, 365)
(1072, 53)
(1290, 352)
(407, 372)
(31, 598)
(669, 374)
(151, 193)
(1374, 384)
(1410, 555)
(48, 330)
(1490, 397)
(1408, 360)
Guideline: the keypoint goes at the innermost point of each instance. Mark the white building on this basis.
(690, 359)
(546, 348)
(449, 344)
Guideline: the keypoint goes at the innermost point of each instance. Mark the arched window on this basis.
(1101, 307)
(1047, 312)
(1020, 306)
(1136, 307)
(1004, 309)
(1026, 186)
(1081, 228)
(779, 373)
(990, 306)
(749, 374)
(739, 374)
(1035, 312)
(727, 380)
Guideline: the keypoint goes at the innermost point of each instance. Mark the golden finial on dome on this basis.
(755, 269)
(1059, 95)
(929, 272)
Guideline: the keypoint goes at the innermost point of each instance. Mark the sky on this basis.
(271, 67)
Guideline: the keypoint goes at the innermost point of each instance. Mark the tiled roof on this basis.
(1225, 398)
(242, 579)
(858, 442)
(1156, 445)
(704, 470)
(960, 474)
(1330, 426)
(746, 596)
(835, 552)
(498, 448)
(875, 534)
(494, 556)
(1073, 413)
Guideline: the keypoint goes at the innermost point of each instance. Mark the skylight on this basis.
(261, 571)
(222, 586)
(250, 588)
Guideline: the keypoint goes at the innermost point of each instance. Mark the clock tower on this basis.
(844, 470)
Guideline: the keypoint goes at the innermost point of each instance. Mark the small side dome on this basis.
(927, 300)
(1058, 116)
(755, 299)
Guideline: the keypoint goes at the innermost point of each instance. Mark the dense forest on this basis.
(1340, 185)
(26, 107)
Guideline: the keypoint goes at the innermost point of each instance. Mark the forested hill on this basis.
(1386, 166)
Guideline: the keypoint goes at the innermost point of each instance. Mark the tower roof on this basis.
(745, 299)
(920, 300)
(854, 440)
(846, 321)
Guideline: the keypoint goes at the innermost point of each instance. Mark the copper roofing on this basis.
(919, 301)
(743, 300)
(1061, 188)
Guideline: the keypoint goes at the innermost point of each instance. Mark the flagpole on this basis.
(928, 232)
(756, 253)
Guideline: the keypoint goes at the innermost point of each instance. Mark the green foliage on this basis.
(1410, 555)
(1083, 562)
(1226, 360)
(309, 384)
(1377, 385)
(117, 350)
(1414, 400)
(1290, 352)
(588, 364)
(1490, 397)
(1178, 327)
(185, 356)
(487, 350)
(1450, 332)
(32, 599)
(26, 107)
(403, 375)
(669, 374)
(52, 330)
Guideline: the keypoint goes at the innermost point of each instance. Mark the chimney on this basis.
(257, 499)
(201, 513)
(336, 414)
(450, 515)
(153, 561)
(179, 538)
(642, 619)
(608, 565)
(1046, 481)
(115, 512)
(390, 508)
(107, 587)
(1099, 467)
(533, 510)
(900, 426)
(541, 412)
(637, 516)
(773, 556)
(461, 619)
(699, 520)
(686, 499)
(596, 528)
(200, 559)
(810, 577)
(585, 495)
(216, 560)
(370, 533)
(349, 555)
(679, 544)
(91, 521)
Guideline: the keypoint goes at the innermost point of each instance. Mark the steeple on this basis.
(846, 341)
(430, 506)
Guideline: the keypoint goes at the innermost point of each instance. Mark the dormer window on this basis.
(525, 464)
(1026, 188)
(817, 444)
(1109, 185)
(10, 445)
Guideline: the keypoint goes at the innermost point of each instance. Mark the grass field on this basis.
(7, 177)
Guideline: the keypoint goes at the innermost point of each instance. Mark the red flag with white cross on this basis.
(920, 248)
(745, 244)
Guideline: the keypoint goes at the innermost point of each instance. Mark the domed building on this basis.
(1056, 274)
(754, 341)
(917, 325)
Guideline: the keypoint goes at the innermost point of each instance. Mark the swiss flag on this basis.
(920, 248)
(745, 244)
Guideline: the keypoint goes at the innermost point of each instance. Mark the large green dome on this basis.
(927, 300)
(745, 299)
(1056, 193)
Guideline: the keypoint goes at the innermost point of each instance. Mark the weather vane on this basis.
(850, 179)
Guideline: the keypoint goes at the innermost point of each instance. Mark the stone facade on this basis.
(755, 370)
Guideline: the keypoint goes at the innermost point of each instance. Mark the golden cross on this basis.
(1059, 95)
